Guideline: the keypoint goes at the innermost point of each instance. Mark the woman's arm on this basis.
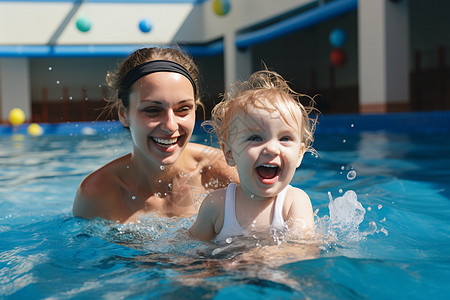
(216, 173)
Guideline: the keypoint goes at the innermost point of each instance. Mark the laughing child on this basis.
(264, 131)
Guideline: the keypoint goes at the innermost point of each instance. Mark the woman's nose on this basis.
(168, 123)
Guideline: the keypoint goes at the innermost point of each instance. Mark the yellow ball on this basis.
(16, 116)
(221, 7)
(35, 130)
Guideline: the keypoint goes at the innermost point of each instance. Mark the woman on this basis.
(156, 93)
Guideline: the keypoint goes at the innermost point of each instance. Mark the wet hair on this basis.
(115, 79)
(263, 90)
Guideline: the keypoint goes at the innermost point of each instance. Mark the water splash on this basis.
(346, 215)
(169, 236)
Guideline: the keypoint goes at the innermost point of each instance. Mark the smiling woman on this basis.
(156, 94)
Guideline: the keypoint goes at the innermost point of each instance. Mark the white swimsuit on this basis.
(231, 226)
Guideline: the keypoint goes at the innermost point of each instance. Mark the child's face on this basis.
(265, 149)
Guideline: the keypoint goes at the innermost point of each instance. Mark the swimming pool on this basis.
(400, 250)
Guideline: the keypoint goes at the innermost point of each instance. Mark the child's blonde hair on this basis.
(264, 90)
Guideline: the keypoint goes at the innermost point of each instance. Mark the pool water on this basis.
(389, 239)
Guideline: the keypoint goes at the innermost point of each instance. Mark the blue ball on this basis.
(145, 25)
(338, 37)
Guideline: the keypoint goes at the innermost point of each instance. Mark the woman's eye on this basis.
(151, 110)
(185, 109)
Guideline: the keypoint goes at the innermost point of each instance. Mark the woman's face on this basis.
(160, 116)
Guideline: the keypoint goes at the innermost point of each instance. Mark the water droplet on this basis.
(70, 98)
(342, 168)
(380, 206)
(344, 141)
(383, 230)
(99, 85)
(254, 236)
(50, 68)
(58, 82)
(159, 181)
(353, 125)
(128, 167)
(252, 196)
(340, 191)
(351, 175)
(205, 140)
(369, 208)
(383, 220)
(161, 167)
(169, 185)
(133, 197)
(201, 171)
(206, 185)
(228, 240)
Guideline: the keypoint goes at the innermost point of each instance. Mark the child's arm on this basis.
(300, 210)
(204, 226)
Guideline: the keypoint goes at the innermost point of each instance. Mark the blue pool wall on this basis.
(420, 122)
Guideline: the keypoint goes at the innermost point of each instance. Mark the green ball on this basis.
(84, 24)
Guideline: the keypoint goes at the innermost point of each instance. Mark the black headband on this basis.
(149, 67)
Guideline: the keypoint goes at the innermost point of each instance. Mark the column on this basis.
(383, 46)
(15, 87)
(238, 62)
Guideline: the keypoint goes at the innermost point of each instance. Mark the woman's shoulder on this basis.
(203, 152)
(99, 190)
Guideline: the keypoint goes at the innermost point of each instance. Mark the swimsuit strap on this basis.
(230, 225)
(278, 219)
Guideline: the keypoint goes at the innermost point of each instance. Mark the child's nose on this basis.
(271, 148)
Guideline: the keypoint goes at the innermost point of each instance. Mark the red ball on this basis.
(338, 57)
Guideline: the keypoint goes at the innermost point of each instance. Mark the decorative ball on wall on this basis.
(221, 7)
(145, 25)
(338, 37)
(84, 24)
(338, 57)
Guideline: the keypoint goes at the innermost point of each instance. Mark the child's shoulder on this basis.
(296, 193)
(298, 205)
(216, 198)
(296, 197)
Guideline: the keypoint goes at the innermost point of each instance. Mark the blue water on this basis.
(400, 249)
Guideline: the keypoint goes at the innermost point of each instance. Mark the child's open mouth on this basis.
(268, 173)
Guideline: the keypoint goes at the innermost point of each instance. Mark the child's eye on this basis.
(255, 138)
(285, 139)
